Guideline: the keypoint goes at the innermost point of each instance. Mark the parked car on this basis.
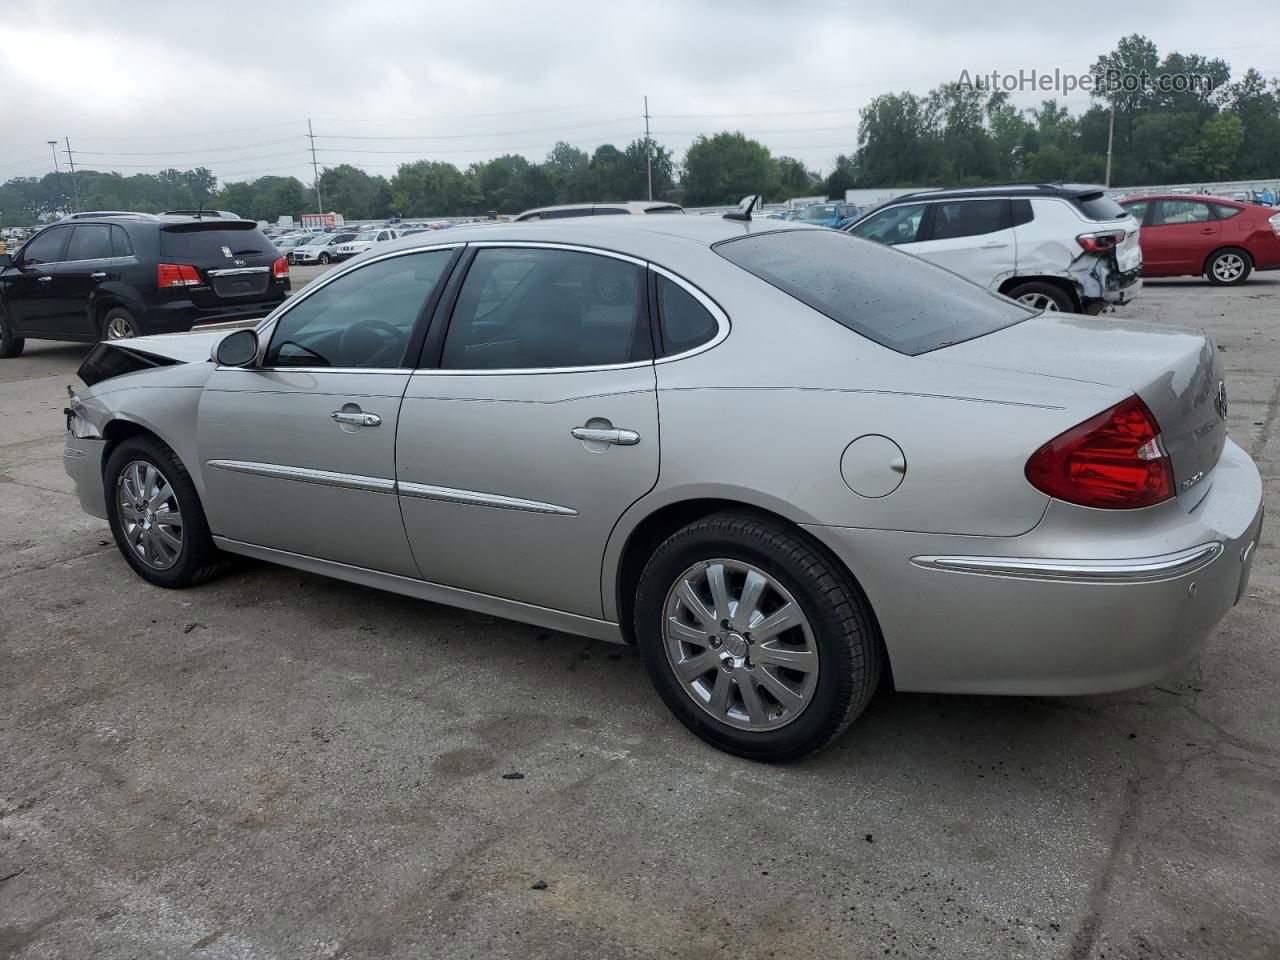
(827, 214)
(285, 244)
(322, 248)
(1223, 240)
(361, 242)
(1052, 247)
(863, 458)
(598, 209)
(116, 277)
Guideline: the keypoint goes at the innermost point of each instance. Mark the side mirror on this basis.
(237, 349)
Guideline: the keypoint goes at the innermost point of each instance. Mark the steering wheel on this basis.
(371, 343)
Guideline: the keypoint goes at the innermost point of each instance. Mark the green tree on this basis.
(354, 193)
(428, 188)
(724, 168)
(792, 178)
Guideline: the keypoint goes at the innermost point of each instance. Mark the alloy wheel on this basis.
(739, 645)
(119, 328)
(150, 516)
(1039, 301)
(1228, 267)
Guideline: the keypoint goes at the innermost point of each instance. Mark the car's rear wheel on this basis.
(10, 346)
(1042, 296)
(118, 324)
(1228, 267)
(156, 517)
(759, 644)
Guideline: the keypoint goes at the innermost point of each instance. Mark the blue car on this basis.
(832, 215)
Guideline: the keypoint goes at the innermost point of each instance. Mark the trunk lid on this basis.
(1178, 375)
(233, 258)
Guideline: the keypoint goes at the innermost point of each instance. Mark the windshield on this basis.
(897, 300)
(366, 236)
(819, 211)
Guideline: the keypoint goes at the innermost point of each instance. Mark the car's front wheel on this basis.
(1228, 267)
(156, 515)
(324, 258)
(10, 346)
(758, 643)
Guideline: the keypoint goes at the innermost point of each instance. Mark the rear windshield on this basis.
(198, 242)
(1098, 206)
(893, 298)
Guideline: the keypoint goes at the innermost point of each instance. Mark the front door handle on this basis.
(357, 419)
(623, 438)
(994, 245)
(46, 279)
(100, 275)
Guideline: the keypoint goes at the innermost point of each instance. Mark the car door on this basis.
(87, 263)
(298, 452)
(1179, 235)
(532, 426)
(31, 297)
(972, 237)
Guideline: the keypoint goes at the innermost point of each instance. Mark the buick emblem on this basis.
(1220, 399)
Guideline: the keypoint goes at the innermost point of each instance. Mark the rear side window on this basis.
(685, 323)
(1138, 210)
(121, 245)
(1022, 212)
(968, 218)
(89, 241)
(1098, 206)
(45, 247)
(212, 243)
(900, 302)
(664, 210)
(1223, 211)
(523, 308)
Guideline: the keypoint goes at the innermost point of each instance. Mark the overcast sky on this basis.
(139, 86)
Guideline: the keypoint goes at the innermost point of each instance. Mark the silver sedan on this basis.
(784, 462)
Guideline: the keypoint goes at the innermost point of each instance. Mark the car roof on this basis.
(1068, 191)
(631, 206)
(1206, 197)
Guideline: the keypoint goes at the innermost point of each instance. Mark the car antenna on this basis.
(744, 208)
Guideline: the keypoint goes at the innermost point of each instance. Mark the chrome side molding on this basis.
(1141, 570)
(425, 491)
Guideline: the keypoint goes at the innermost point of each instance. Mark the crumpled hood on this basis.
(190, 347)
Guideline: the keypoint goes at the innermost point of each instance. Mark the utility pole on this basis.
(75, 187)
(315, 168)
(53, 148)
(1111, 132)
(648, 149)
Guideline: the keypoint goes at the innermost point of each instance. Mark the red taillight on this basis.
(176, 275)
(1113, 460)
(1100, 242)
(280, 269)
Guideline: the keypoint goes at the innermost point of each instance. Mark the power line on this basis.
(176, 153)
(470, 136)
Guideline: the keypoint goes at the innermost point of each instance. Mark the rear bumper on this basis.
(1120, 288)
(179, 316)
(1085, 603)
(83, 462)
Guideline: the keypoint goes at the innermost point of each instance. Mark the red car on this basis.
(1185, 235)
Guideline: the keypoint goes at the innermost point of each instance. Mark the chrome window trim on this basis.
(549, 245)
(427, 491)
(328, 478)
(721, 318)
(402, 371)
(1141, 570)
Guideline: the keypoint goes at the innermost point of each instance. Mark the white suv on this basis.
(363, 241)
(1052, 246)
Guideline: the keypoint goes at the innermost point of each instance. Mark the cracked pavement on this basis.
(280, 765)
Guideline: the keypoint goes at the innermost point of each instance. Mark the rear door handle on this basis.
(100, 275)
(357, 419)
(623, 438)
(46, 279)
(994, 245)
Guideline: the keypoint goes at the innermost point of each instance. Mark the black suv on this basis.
(110, 276)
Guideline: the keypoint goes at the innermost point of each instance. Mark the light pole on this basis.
(57, 171)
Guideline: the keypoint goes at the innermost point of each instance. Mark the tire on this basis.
(836, 636)
(1042, 296)
(1228, 267)
(196, 559)
(324, 259)
(10, 346)
(118, 324)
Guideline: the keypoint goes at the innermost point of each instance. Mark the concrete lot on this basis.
(279, 765)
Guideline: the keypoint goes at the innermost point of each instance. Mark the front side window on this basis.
(89, 241)
(903, 303)
(893, 226)
(969, 218)
(526, 308)
(1182, 211)
(45, 247)
(364, 318)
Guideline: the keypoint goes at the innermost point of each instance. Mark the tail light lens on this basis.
(280, 269)
(176, 275)
(1114, 460)
(1100, 242)
(1275, 224)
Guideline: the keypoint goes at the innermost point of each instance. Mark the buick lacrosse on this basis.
(783, 461)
